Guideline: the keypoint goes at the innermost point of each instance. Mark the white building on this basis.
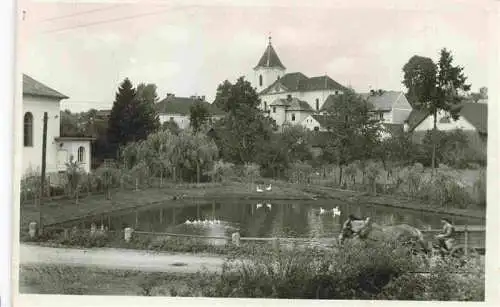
(289, 98)
(472, 120)
(178, 109)
(38, 99)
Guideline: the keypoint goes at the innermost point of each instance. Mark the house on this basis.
(37, 100)
(473, 121)
(178, 109)
(277, 89)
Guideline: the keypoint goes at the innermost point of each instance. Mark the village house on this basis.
(178, 109)
(473, 121)
(38, 99)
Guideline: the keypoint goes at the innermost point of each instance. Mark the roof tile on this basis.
(36, 88)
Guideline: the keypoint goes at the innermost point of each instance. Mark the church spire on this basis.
(270, 59)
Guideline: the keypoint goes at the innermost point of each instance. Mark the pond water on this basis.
(302, 219)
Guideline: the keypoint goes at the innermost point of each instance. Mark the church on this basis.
(290, 98)
(297, 99)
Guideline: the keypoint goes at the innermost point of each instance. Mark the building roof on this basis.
(270, 59)
(477, 115)
(36, 88)
(298, 82)
(382, 101)
(182, 105)
(474, 113)
(292, 104)
(74, 138)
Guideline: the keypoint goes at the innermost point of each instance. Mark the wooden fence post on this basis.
(236, 238)
(466, 243)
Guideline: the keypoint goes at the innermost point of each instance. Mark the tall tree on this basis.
(244, 130)
(435, 89)
(351, 132)
(148, 92)
(198, 115)
(132, 117)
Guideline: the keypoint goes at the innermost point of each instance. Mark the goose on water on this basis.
(269, 206)
(336, 211)
(269, 188)
(259, 189)
(321, 211)
(258, 206)
(187, 222)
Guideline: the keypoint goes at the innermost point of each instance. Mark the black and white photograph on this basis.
(269, 150)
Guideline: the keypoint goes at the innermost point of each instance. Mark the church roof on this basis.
(298, 82)
(35, 88)
(270, 59)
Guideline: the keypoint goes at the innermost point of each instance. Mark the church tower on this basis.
(269, 68)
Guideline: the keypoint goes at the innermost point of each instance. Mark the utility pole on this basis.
(44, 165)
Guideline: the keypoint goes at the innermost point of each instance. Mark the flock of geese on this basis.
(202, 222)
(335, 211)
(268, 188)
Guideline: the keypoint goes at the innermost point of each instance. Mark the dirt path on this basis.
(119, 259)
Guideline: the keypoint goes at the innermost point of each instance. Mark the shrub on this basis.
(222, 171)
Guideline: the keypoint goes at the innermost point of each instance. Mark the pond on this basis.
(301, 219)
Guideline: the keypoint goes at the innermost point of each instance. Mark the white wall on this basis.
(428, 123)
(279, 116)
(71, 149)
(299, 117)
(401, 109)
(309, 97)
(181, 120)
(269, 75)
(309, 122)
(32, 156)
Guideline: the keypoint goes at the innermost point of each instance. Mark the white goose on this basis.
(259, 206)
(336, 211)
(259, 189)
(188, 222)
(322, 211)
(269, 206)
(269, 188)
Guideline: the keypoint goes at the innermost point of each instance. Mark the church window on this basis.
(274, 109)
(317, 104)
(260, 80)
(293, 117)
(81, 154)
(28, 129)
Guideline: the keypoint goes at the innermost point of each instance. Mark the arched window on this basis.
(81, 154)
(293, 117)
(260, 80)
(28, 129)
(317, 104)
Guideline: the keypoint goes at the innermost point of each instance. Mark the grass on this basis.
(354, 272)
(58, 279)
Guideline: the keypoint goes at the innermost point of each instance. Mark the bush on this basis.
(351, 272)
(480, 189)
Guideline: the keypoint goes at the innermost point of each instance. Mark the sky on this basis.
(85, 50)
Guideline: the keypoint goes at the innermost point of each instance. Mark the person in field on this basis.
(446, 238)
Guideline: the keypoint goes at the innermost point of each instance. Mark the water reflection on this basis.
(313, 219)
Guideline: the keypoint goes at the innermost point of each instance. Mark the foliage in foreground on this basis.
(351, 273)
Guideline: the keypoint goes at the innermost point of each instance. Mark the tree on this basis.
(435, 87)
(132, 117)
(148, 92)
(171, 126)
(350, 130)
(198, 115)
(244, 131)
